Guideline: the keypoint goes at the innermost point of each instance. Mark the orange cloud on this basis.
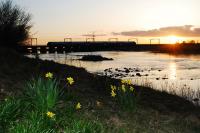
(184, 31)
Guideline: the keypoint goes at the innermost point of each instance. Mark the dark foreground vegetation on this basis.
(14, 24)
(102, 108)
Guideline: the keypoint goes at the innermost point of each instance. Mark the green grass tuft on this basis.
(10, 111)
(33, 123)
(84, 126)
(42, 94)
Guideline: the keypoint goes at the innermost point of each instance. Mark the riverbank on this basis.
(156, 111)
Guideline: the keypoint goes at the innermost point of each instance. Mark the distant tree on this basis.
(14, 24)
(192, 41)
(184, 42)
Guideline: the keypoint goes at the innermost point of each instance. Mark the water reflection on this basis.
(172, 71)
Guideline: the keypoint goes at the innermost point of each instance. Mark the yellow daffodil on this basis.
(113, 94)
(50, 114)
(123, 81)
(113, 87)
(128, 82)
(70, 80)
(78, 106)
(131, 88)
(49, 75)
(123, 88)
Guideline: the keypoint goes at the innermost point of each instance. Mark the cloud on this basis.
(184, 31)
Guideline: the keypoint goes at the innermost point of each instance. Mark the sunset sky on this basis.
(54, 20)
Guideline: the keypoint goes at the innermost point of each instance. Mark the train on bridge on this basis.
(61, 47)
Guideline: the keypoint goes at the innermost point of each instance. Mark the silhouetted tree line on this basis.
(188, 42)
(14, 24)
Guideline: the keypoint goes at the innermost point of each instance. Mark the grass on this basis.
(18, 118)
(10, 110)
(155, 111)
(33, 122)
(42, 94)
(83, 126)
(125, 96)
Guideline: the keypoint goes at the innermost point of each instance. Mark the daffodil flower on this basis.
(113, 94)
(50, 114)
(113, 87)
(78, 106)
(49, 75)
(123, 81)
(123, 88)
(70, 80)
(128, 82)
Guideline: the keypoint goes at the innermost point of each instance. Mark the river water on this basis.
(176, 74)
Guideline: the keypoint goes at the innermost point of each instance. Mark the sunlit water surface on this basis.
(176, 74)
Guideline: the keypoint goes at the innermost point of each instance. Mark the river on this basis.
(176, 74)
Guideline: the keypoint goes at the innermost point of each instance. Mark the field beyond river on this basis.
(156, 111)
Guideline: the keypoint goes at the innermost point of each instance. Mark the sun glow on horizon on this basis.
(174, 39)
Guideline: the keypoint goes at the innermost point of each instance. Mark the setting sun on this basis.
(174, 39)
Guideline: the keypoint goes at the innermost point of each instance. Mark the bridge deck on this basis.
(61, 47)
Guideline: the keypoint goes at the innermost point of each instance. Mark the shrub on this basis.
(14, 24)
